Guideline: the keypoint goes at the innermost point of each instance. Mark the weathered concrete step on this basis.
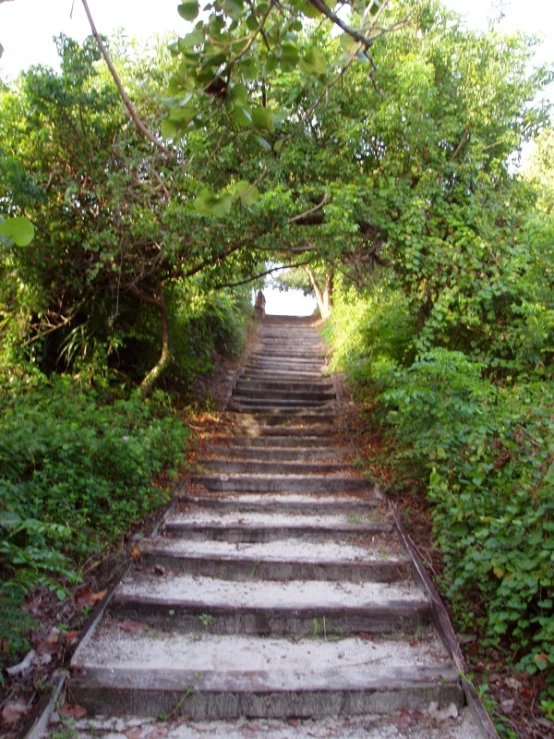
(287, 559)
(290, 364)
(328, 610)
(360, 508)
(286, 355)
(282, 483)
(298, 434)
(428, 724)
(284, 375)
(264, 404)
(228, 676)
(265, 533)
(284, 417)
(292, 348)
(278, 344)
(272, 384)
(263, 467)
(280, 453)
(287, 442)
(284, 392)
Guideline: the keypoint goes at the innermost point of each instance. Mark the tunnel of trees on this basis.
(375, 154)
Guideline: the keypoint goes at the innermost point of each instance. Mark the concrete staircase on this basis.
(277, 598)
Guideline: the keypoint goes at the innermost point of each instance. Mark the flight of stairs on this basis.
(277, 597)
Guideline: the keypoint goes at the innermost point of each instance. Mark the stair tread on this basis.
(422, 725)
(292, 595)
(278, 663)
(283, 550)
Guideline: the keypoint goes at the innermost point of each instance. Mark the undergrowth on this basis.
(486, 449)
(76, 470)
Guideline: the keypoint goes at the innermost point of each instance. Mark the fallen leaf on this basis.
(72, 710)
(13, 711)
(85, 597)
(71, 636)
(133, 627)
(135, 553)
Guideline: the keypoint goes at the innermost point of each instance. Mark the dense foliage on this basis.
(75, 471)
(381, 160)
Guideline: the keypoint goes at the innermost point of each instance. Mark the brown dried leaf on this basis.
(72, 710)
(13, 711)
(133, 627)
(85, 597)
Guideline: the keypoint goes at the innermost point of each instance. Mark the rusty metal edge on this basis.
(441, 622)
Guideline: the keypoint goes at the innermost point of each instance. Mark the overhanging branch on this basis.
(126, 101)
(263, 274)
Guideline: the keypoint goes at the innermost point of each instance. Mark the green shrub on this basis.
(75, 472)
(490, 455)
(486, 451)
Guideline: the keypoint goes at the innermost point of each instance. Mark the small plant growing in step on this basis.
(206, 619)
(330, 633)
(176, 708)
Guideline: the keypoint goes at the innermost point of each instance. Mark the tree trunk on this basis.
(323, 294)
(165, 355)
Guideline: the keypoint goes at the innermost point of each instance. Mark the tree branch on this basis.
(464, 138)
(262, 274)
(128, 104)
(302, 216)
(356, 35)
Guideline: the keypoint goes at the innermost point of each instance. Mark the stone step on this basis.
(272, 394)
(286, 557)
(316, 484)
(264, 404)
(268, 562)
(287, 441)
(267, 532)
(279, 452)
(327, 610)
(296, 434)
(284, 361)
(282, 376)
(276, 385)
(287, 417)
(263, 467)
(356, 508)
(430, 725)
(226, 677)
(290, 348)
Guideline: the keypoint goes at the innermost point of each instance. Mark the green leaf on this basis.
(242, 116)
(313, 62)
(233, 8)
(348, 43)
(263, 118)
(279, 145)
(194, 38)
(1, 50)
(170, 130)
(184, 114)
(263, 143)
(188, 10)
(289, 57)
(251, 22)
(309, 10)
(245, 192)
(210, 204)
(239, 93)
(20, 230)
